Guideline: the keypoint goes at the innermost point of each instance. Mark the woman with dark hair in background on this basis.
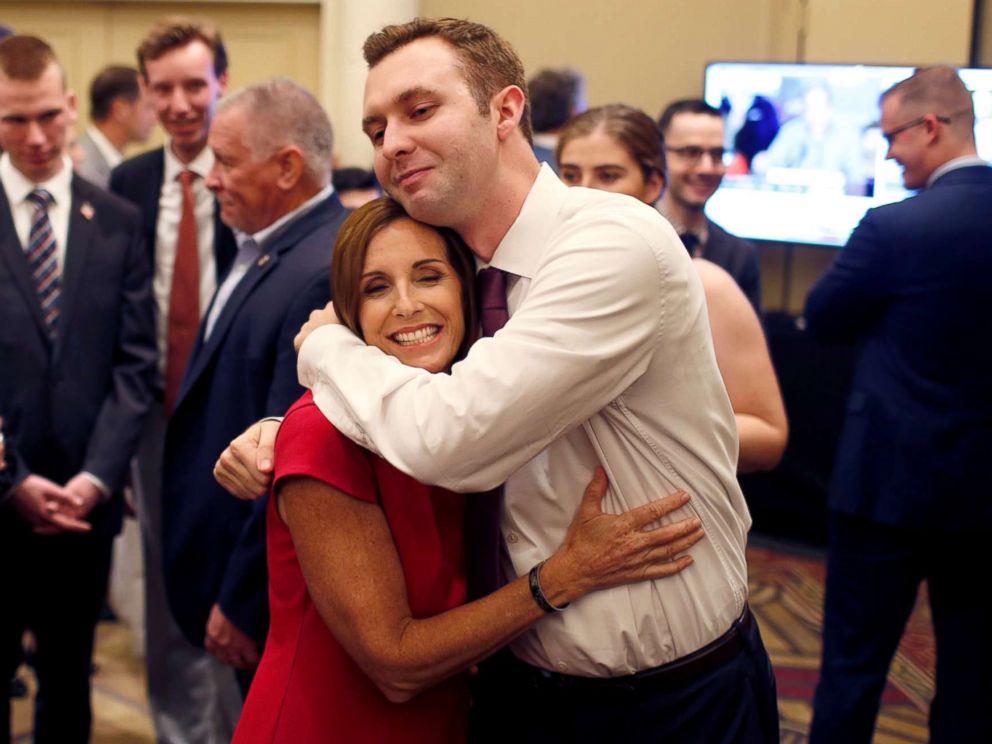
(619, 148)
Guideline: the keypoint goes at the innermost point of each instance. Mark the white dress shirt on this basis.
(18, 187)
(607, 359)
(170, 208)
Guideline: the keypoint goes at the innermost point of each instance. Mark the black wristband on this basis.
(534, 579)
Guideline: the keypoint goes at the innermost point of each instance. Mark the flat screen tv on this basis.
(805, 155)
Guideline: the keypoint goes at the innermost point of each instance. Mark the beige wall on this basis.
(89, 35)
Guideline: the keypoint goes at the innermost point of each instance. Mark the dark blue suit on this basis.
(910, 498)
(738, 257)
(214, 544)
(74, 405)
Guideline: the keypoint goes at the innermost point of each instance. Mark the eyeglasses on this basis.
(694, 153)
(891, 134)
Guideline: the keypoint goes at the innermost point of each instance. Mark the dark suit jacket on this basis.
(214, 544)
(912, 288)
(737, 257)
(139, 180)
(78, 404)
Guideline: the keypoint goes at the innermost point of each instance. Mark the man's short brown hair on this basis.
(178, 31)
(25, 58)
(937, 90)
(111, 83)
(489, 63)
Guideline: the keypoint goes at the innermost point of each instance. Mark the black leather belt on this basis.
(675, 673)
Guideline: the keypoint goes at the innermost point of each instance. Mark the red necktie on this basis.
(184, 297)
(482, 512)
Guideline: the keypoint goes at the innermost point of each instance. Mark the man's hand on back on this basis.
(325, 316)
(245, 467)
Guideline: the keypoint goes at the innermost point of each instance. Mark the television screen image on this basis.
(805, 154)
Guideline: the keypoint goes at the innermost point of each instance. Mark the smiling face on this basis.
(691, 182)
(411, 297)
(245, 184)
(908, 147)
(598, 161)
(184, 90)
(35, 116)
(434, 152)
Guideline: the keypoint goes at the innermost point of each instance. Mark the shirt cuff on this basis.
(100, 485)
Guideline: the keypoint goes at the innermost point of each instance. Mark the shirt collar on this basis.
(965, 161)
(200, 165)
(18, 186)
(518, 252)
(702, 232)
(111, 154)
(266, 233)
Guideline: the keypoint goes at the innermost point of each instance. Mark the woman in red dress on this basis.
(369, 634)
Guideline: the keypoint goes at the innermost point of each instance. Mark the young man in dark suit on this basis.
(183, 67)
(78, 349)
(693, 132)
(910, 498)
(272, 176)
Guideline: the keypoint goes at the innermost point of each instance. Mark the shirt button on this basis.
(511, 537)
(561, 666)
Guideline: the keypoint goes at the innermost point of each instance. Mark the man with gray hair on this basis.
(272, 147)
(910, 499)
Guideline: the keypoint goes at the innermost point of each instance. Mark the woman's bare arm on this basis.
(742, 355)
(353, 573)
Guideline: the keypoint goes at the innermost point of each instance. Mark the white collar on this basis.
(200, 165)
(18, 186)
(267, 232)
(519, 250)
(965, 161)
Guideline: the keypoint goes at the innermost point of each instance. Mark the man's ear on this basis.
(932, 128)
(291, 165)
(508, 108)
(222, 83)
(71, 105)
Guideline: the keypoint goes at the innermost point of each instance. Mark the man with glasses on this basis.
(694, 136)
(910, 498)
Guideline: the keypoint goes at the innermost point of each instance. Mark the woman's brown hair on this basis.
(352, 246)
(634, 131)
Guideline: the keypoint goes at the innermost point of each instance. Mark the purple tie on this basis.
(483, 542)
(492, 300)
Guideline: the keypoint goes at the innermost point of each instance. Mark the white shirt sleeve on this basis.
(584, 332)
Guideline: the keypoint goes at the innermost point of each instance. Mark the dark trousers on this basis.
(55, 587)
(733, 703)
(873, 574)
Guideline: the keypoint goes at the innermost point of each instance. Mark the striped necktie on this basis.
(42, 259)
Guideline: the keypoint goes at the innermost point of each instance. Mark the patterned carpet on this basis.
(786, 597)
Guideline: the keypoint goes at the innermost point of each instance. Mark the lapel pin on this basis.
(87, 210)
(263, 260)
